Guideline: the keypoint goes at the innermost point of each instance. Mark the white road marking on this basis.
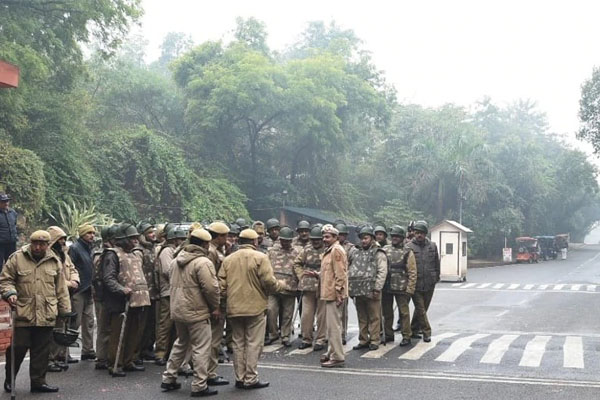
(497, 349)
(575, 287)
(459, 346)
(380, 352)
(591, 288)
(350, 344)
(514, 286)
(468, 285)
(528, 287)
(501, 313)
(296, 352)
(272, 348)
(558, 287)
(483, 286)
(498, 285)
(421, 348)
(573, 352)
(457, 284)
(543, 287)
(534, 351)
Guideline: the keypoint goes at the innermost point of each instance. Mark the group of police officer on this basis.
(168, 293)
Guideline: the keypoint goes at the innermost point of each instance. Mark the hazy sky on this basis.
(433, 52)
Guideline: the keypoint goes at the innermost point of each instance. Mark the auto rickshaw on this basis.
(548, 247)
(528, 250)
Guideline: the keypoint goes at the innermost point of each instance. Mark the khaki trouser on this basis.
(368, 312)
(36, 339)
(57, 352)
(197, 337)
(217, 327)
(333, 313)
(83, 304)
(103, 334)
(387, 304)
(311, 305)
(165, 329)
(248, 340)
(280, 305)
(420, 322)
(131, 337)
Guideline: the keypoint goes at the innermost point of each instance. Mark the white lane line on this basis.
(272, 348)
(528, 287)
(501, 313)
(575, 287)
(380, 352)
(591, 288)
(497, 349)
(558, 287)
(350, 344)
(498, 285)
(514, 286)
(457, 284)
(534, 351)
(573, 352)
(483, 286)
(421, 348)
(460, 346)
(468, 285)
(543, 287)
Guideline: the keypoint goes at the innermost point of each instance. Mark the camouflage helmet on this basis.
(421, 226)
(342, 229)
(241, 222)
(127, 231)
(143, 226)
(303, 224)
(380, 228)
(397, 230)
(366, 230)
(315, 233)
(286, 233)
(272, 223)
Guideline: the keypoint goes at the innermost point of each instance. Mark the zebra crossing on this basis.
(556, 287)
(531, 350)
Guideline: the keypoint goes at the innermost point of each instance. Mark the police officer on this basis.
(273, 230)
(399, 285)
(306, 264)
(428, 275)
(264, 243)
(8, 229)
(366, 277)
(147, 243)
(281, 305)
(343, 230)
(303, 238)
(32, 283)
(381, 235)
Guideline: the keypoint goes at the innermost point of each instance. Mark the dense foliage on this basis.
(224, 129)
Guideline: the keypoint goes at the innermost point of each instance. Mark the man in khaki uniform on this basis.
(32, 283)
(264, 242)
(147, 243)
(58, 244)
(366, 277)
(281, 305)
(307, 262)
(399, 285)
(246, 279)
(348, 247)
(194, 299)
(334, 291)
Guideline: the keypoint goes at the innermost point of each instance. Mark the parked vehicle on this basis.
(548, 249)
(527, 250)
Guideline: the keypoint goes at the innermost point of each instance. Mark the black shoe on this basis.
(203, 393)
(304, 346)
(139, 362)
(167, 387)
(72, 360)
(405, 342)
(269, 341)
(373, 347)
(161, 362)
(238, 385)
(148, 356)
(91, 356)
(45, 388)
(415, 336)
(101, 365)
(390, 339)
(62, 365)
(133, 368)
(360, 346)
(54, 368)
(218, 381)
(426, 339)
(118, 373)
(185, 372)
(257, 385)
(286, 343)
(8, 388)
(318, 347)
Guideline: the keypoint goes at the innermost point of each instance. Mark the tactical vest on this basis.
(97, 277)
(397, 278)
(312, 261)
(282, 262)
(148, 263)
(426, 258)
(362, 273)
(131, 275)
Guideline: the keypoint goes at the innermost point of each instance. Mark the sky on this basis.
(433, 51)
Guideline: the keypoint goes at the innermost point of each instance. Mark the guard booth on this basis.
(451, 240)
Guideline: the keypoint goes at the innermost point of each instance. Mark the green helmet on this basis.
(112, 231)
(104, 233)
(366, 230)
(272, 223)
(126, 231)
(342, 228)
(286, 233)
(380, 228)
(397, 230)
(171, 233)
(421, 226)
(302, 225)
(315, 233)
(180, 232)
(143, 226)
(241, 222)
(234, 229)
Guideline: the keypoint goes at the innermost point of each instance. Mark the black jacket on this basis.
(428, 264)
(113, 296)
(81, 254)
(8, 226)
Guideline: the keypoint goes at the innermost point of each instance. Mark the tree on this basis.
(589, 110)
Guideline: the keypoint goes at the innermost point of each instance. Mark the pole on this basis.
(121, 335)
(13, 389)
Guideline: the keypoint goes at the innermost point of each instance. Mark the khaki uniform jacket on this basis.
(163, 269)
(40, 288)
(246, 279)
(194, 286)
(334, 273)
(216, 256)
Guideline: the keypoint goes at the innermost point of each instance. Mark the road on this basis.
(515, 331)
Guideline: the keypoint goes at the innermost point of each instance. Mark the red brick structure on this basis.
(9, 75)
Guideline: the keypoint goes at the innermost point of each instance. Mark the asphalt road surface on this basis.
(509, 332)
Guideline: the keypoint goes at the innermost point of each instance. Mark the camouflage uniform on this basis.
(148, 265)
(309, 258)
(366, 274)
(400, 284)
(282, 304)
